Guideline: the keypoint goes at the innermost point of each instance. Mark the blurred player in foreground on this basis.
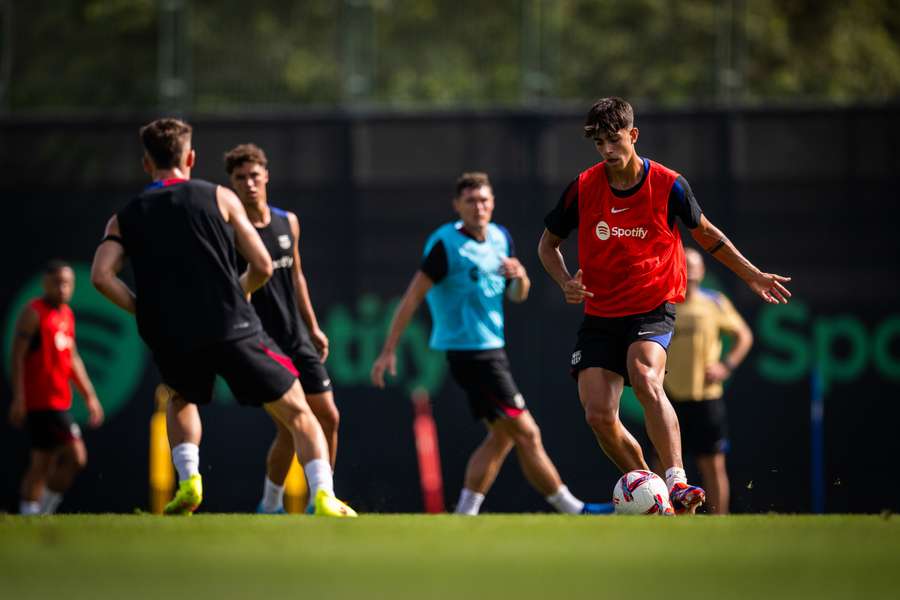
(44, 360)
(468, 268)
(180, 236)
(632, 271)
(286, 312)
(696, 372)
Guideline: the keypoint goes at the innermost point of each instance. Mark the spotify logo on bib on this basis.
(602, 230)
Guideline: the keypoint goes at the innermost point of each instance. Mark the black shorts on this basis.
(253, 367)
(50, 429)
(313, 375)
(703, 424)
(485, 377)
(603, 342)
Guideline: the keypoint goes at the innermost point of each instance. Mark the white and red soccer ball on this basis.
(642, 493)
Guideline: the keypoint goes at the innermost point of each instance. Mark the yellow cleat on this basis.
(187, 498)
(326, 505)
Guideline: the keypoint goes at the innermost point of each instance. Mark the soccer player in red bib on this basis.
(632, 273)
(44, 361)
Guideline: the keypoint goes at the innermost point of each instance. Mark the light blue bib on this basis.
(467, 305)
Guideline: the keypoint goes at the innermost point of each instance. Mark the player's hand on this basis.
(95, 412)
(770, 288)
(386, 361)
(17, 413)
(320, 341)
(717, 372)
(574, 289)
(512, 269)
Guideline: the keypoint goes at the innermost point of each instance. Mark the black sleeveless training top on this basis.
(276, 302)
(185, 267)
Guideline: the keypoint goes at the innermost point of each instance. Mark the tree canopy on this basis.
(65, 55)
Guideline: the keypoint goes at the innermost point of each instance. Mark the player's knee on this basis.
(330, 419)
(601, 421)
(528, 438)
(499, 442)
(76, 457)
(647, 387)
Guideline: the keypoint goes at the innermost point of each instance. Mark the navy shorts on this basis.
(313, 376)
(488, 382)
(255, 369)
(703, 424)
(604, 341)
(51, 429)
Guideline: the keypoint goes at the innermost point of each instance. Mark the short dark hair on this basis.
(608, 115)
(244, 153)
(55, 266)
(165, 141)
(474, 179)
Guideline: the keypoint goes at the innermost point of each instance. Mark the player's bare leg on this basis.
(646, 368)
(536, 465)
(486, 460)
(68, 461)
(522, 433)
(329, 418)
(646, 361)
(600, 391)
(281, 451)
(292, 411)
(184, 429)
(715, 481)
(34, 482)
(183, 423)
(482, 469)
(281, 454)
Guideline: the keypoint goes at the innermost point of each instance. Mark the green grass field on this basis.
(415, 556)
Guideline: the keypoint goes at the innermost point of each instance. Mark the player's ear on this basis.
(191, 159)
(147, 163)
(634, 134)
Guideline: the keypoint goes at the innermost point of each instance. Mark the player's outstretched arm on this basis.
(108, 262)
(247, 240)
(768, 286)
(387, 360)
(304, 302)
(26, 328)
(555, 265)
(86, 389)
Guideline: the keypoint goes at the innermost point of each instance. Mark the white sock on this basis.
(50, 501)
(29, 507)
(186, 458)
(319, 477)
(565, 502)
(469, 502)
(273, 496)
(675, 475)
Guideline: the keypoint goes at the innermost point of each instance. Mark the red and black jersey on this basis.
(629, 246)
(48, 363)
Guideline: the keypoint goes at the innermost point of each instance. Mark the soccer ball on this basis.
(642, 493)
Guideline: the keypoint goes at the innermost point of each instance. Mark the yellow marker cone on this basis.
(296, 492)
(162, 473)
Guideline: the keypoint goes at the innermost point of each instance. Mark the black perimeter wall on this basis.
(807, 193)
